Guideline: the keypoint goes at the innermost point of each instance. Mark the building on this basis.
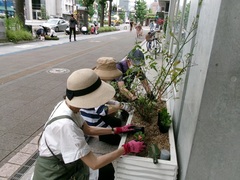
(34, 9)
(206, 106)
(9, 6)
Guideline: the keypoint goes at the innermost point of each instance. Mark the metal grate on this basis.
(25, 167)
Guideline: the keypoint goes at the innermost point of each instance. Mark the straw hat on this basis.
(106, 69)
(86, 90)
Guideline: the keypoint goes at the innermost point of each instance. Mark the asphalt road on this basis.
(33, 79)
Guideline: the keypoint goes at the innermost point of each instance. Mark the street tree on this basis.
(19, 10)
(89, 5)
(102, 14)
(141, 10)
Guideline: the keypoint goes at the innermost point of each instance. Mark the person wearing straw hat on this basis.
(104, 115)
(63, 150)
(134, 60)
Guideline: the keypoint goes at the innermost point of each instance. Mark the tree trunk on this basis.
(110, 13)
(20, 10)
(102, 14)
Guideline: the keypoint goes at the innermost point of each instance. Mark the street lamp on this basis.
(6, 11)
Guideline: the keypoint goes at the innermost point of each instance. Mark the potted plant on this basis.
(164, 120)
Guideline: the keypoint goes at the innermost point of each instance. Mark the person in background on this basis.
(139, 30)
(84, 30)
(63, 150)
(131, 25)
(151, 25)
(95, 27)
(72, 25)
(92, 29)
(104, 115)
(52, 33)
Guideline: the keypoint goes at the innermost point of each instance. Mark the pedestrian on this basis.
(134, 60)
(72, 25)
(131, 25)
(63, 150)
(151, 25)
(139, 30)
(95, 27)
(104, 115)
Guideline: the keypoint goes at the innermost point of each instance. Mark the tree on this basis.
(103, 5)
(141, 10)
(20, 10)
(89, 5)
(110, 12)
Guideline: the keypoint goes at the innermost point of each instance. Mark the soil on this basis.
(152, 134)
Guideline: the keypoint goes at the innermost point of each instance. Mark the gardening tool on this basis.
(154, 153)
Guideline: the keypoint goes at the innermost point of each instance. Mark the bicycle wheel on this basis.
(149, 46)
(156, 46)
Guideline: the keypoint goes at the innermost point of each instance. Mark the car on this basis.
(56, 24)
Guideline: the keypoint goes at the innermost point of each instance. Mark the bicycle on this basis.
(153, 45)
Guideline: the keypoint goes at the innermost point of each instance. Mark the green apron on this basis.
(53, 168)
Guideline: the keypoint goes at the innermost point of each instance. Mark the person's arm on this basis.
(95, 162)
(93, 130)
(146, 85)
(125, 91)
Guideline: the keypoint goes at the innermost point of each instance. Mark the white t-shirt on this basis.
(63, 136)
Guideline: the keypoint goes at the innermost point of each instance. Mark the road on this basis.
(33, 79)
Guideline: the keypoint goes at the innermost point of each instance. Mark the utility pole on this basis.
(6, 11)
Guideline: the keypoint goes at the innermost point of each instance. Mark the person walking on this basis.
(63, 150)
(151, 25)
(72, 27)
(131, 25)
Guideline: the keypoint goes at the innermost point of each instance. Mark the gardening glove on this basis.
(126, 106)
(124, 129)
(133, 146)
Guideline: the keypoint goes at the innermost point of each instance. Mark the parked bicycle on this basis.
(152, 43)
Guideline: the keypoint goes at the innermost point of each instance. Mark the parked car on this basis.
(56, 24)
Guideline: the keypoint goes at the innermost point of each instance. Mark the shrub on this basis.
(15, 31)
(19, 35)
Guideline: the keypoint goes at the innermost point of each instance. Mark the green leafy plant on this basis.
(164, 118)
(165, 75)
(15, 30)
(139, 136)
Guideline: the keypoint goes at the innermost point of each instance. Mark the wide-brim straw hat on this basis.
(106, 69)
(86, 90)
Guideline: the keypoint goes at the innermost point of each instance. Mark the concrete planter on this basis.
(142, 168)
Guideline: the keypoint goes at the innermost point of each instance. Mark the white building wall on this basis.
(207, 115)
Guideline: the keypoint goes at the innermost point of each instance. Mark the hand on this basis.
(126, 106)
(124, 129)
(133, 146)
(133, 98)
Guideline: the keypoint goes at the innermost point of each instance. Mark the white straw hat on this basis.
(86, 90)
(106, 69)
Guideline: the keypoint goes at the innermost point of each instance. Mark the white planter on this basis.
(142, 168)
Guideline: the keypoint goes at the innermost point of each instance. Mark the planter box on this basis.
(142, 168)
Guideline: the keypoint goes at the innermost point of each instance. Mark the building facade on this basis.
(34, 9)
(206, 106)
